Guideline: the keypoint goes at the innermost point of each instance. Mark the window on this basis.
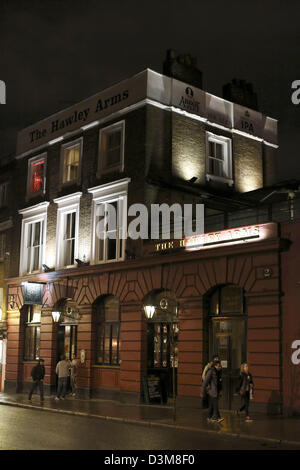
(34, 245)
(71, 161)
(226, 300)
(33, 238)
(107, 331)
(111, 148)
(67, 230)
(3, 194)
(218, 161)
(36, 175)
(32, 333)
(109, 221)
(2, 246)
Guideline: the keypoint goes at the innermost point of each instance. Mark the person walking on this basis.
(62, 370)
(73, 370)
(209, 365)
(212, 386)
(246, 390)
(38, 374)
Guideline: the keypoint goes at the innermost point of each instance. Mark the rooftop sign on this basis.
(158, 88)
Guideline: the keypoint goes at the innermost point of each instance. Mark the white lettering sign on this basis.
(296, 354)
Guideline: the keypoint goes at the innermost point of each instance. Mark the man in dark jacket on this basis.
(37, 374)
(212, 386)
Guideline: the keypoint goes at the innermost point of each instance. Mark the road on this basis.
(26, 429)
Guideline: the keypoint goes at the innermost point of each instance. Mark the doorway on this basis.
(161, 353)
(228, 339)
(66, 341)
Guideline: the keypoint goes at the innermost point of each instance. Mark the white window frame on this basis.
(66, 205)
(33, 214)
(107, 193)
(68, 146)
(227, 146)
(4, 200)
(42, 156)
(101, 158)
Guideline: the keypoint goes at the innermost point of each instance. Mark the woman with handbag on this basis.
(246, 390)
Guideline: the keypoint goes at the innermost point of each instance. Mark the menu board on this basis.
(152, 389)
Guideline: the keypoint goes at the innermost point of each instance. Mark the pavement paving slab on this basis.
(277, 429)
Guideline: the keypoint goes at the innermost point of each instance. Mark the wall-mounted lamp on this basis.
(56, 316)
(149, 311)
(193, 180)
(46, 268)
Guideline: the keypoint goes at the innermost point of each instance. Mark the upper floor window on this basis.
(218, 158)
(71, 154)
(111, 148)
(3, 194)
(67, 230)
(109, 221)
(33, 238)
(36, 175)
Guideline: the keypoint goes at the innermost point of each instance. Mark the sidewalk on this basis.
(263, 428)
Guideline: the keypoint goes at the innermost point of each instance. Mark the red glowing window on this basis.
(37, 174)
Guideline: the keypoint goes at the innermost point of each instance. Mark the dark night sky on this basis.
(54, 53)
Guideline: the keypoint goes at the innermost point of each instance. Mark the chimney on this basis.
(183, 67)
(240, 92)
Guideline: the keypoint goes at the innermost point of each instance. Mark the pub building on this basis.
(130, 309)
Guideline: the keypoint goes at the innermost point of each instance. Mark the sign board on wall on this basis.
(33, 293)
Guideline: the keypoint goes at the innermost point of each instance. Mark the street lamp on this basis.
(56, 316)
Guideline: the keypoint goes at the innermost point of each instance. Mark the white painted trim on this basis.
(41, 156)
(109, 188)
(66, 205)
(70, 145)
(227, 144)
(38, 214)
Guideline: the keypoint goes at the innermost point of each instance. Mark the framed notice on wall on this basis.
(33, 293)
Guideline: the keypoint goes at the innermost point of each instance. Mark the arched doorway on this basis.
(162, 340)
(227, 325)
(66, 342)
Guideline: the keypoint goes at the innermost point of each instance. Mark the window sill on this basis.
(105, 367)
(220, 179)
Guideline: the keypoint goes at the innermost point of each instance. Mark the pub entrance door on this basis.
(66, 344)
(228, 339)
(161, 354)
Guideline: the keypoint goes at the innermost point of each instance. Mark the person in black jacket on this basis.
(246, 389)
(38, 374)
(212, 385)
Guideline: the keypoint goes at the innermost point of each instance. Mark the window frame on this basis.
(66, 205)
(32, 215)
(226, 143)
(102, 168)
(101, 327)
(30, 326)
(31, 161)
(4, 200)
(68, 146)
(2, 246)
(108, 193)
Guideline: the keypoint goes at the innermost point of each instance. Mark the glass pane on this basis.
(114, 344)
(231, 300)
(36, 258)
(37, 342)
(100, 337)
(219, 151)
(107, 343)
(111, 309)
(67, 342)
(157, 345)
(214, 303)
(37, 176)
(111, 248)
(211, 149)
(165, 346)
(37, 232)
(100, 249)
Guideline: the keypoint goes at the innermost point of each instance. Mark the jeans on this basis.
(245, 402)
(213, 409)
(62, 387)
(73, 383)
(35, 384)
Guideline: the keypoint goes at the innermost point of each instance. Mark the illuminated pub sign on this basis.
(233, 236)
(33, 293)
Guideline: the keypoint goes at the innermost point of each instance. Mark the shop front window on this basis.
(107, 331)
(32, 333)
